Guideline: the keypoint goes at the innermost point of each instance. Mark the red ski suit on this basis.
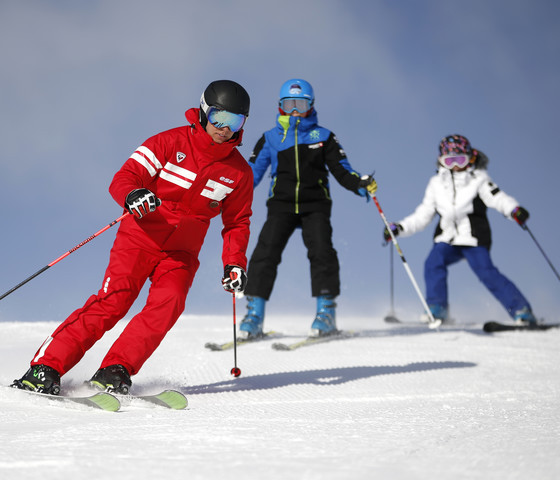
(196, 180)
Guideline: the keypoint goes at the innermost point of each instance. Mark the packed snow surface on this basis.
(396, 402)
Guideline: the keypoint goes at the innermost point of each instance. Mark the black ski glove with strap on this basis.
(141, 201)
(396, 228)
(234, 279)
(520, 215)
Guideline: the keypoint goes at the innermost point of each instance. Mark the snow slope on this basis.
(397, 403)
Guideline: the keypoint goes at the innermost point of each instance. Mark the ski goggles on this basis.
(301, 105)
(223, 118)
(455, 160)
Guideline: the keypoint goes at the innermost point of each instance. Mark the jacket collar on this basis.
(285, 122)
(203, 142)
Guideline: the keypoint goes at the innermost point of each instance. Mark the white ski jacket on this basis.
(461, 200)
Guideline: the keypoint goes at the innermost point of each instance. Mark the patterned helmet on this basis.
(455, 144)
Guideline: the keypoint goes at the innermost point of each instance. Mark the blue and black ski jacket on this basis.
(300, 154)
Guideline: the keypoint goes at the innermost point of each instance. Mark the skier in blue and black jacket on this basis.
(300, 154)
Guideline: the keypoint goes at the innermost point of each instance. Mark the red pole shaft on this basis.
(234, 334)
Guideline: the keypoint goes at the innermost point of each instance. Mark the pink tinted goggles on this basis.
(455, 160)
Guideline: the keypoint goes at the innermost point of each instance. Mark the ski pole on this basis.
(235, 371)
(525, 227)
(433, 323)
(54, 262)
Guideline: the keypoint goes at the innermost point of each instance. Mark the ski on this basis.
(218, 347)
(491, 327)
(167, 398)
(431, 325)
(101, 400)
(339, 335)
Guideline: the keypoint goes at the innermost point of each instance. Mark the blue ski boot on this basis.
(252, 325)
(525, 317)
(325, 320)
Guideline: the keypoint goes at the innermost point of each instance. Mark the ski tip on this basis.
(105, 401)
(174, 399)
(489, 327)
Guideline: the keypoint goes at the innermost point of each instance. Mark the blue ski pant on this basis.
(435, 275)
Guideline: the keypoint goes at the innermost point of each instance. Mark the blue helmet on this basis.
(297, 88)
(296, 94)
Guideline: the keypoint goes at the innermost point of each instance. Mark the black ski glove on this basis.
(520, 215)
(396, 228)
(234, 279)
(367, 186)
(141, 201)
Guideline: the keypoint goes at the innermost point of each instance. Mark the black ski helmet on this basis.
(226, 95)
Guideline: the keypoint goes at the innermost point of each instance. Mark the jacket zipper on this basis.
(296, 148)
(454, 205)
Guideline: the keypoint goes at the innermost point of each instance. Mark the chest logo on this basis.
(215, 191)
(180, 157)
(314, 134)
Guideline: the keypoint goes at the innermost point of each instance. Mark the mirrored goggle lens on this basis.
(300, 105)
(223, 118)
(451, 161)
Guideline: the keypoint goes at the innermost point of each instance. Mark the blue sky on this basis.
(83, 83)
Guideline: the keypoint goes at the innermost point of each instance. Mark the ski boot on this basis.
(112, 379)
(439, 312)
(252, 325)
(39, 379)
(325, 320)
(525, 317)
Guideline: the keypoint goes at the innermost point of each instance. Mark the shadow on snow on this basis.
(327, 376)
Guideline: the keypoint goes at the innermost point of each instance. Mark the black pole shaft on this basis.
(525, 227)
(81, 244)
(392, 279)
(25, 281)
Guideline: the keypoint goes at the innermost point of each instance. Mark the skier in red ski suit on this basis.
(173, 185)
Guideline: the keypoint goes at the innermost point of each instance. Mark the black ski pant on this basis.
(316, 232)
